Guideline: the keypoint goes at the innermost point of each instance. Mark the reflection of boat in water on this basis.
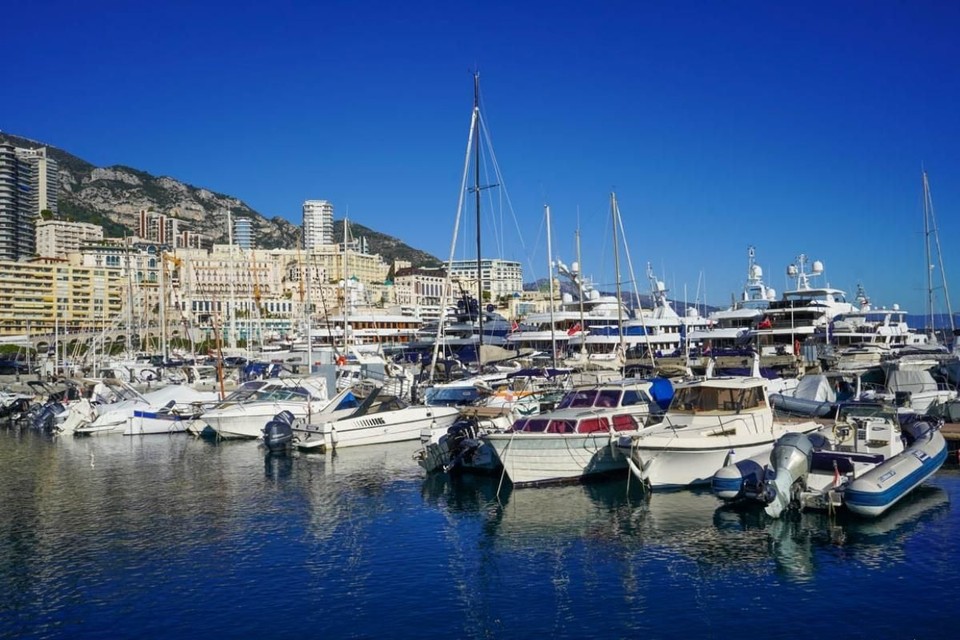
(792, 541)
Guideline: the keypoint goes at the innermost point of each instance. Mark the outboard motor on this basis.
(790, 460)
(278, 433)
(46, 418)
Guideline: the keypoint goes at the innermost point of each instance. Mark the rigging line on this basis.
(936, 237)
(446, 292)
(503, 186)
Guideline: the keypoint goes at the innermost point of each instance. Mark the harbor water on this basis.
(171, 537)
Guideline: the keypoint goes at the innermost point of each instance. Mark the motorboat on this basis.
(380, 418)
(278, 433)
(867, 461)
(493, 407)
(577, 439)
(116, 404)
(710, 421)
(243, 413)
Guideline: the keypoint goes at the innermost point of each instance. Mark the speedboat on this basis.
(117, 403)
(867, 461)
(710, 421)
(577, 439)
(380, 418)
(243, 413)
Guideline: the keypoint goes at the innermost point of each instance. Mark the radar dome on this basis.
(896, 307)
(792, 271)
(575, 267)
(756, 272)
(771, 293)
(594, 295)
(692, 312)
(817, 266)
(567, 298)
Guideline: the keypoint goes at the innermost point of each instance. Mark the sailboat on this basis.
(475, 342)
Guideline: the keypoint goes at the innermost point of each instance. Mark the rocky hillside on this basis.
(113, 196)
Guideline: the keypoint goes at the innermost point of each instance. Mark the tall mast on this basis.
(476, 192)
(615, 213)
(583, 328)
(932, 228)
(553, 333)
(926, 241)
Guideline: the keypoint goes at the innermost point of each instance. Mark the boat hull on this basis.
(882, 487)
(377, 428)
(537, 458)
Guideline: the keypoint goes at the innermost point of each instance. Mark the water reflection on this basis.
(688, 524)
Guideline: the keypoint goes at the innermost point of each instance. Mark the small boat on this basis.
(577, 439)
(380, 419)
(709, 421)
(243, 413)
(866, 462)
(278, 433)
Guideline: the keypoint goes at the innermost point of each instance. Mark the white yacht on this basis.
(711, 422)
(243, 413)
(576, 439)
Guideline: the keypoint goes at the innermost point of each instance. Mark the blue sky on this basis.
(795, 128)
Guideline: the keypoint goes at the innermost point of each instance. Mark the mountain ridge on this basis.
(112, 196)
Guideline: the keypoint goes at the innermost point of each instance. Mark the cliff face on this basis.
(113, 197)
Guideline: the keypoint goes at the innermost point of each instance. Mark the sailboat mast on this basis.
(553, 332)
(929, 265)
(583, 326)
(476, 193)
(615, 213)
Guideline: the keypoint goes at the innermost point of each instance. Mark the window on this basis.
(592, 425)
(625, 422)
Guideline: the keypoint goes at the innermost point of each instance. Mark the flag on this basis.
(514, 326)
(836, 474)
(574, 329)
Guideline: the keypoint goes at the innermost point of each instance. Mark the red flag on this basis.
(836, 474)
(514, 326)
(574, 329)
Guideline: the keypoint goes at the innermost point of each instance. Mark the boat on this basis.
(802, 314)
(710, 421)
(493, 407)
(868, 460)
(380, 418)
(576, 440)
(243, 413)
(815, 396)
(117, 404)
(915, 389)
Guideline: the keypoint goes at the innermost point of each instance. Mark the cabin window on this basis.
(560, 426)
(578, 399)
(534, 426)
(632, 397)
(625, 422)
(592, 425)
(608, 398)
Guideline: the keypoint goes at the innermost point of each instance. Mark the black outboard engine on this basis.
(278, 433)
(45, 420)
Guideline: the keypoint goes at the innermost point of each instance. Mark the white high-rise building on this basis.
(317, 223)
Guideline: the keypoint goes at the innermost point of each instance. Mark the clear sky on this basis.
(792, 127)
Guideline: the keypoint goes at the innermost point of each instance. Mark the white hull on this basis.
(532, 458)
(379, 428)
(147, 425)
(247, 420)
(666, 462)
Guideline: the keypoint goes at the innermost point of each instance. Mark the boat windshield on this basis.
(449, 396)
(268, 393)
(582, 399)
(700, 399)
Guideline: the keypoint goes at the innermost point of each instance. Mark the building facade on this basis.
(53, 296)
(57, 238)
(317, 223)
(500, 278)
(29, 180)
(243, 232)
